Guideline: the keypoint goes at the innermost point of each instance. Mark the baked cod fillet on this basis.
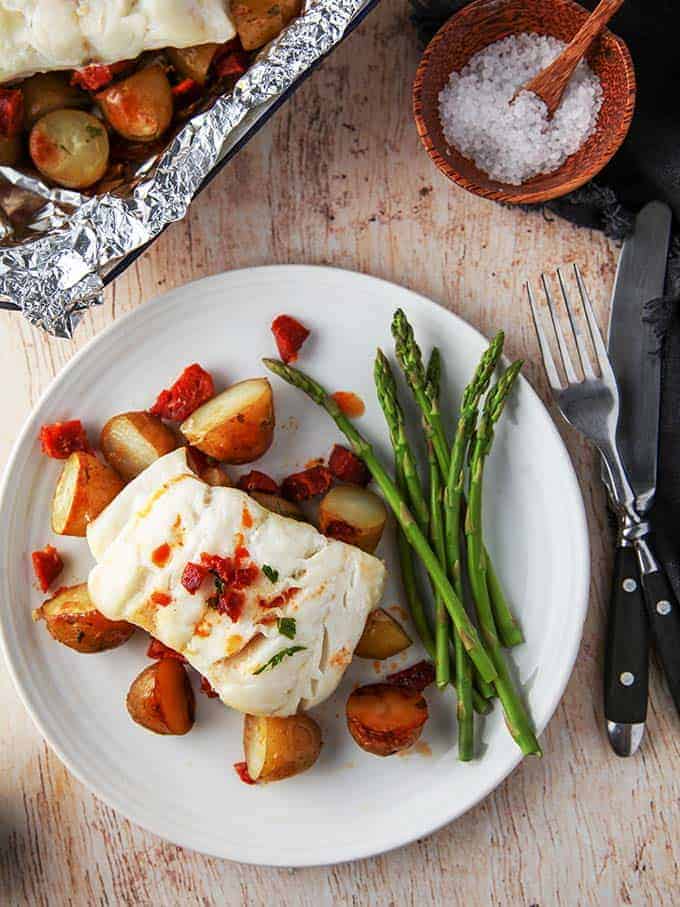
(45, 35)
(278, 634)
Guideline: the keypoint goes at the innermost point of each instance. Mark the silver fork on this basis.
(591, 404)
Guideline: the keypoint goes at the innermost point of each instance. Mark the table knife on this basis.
(641, 595)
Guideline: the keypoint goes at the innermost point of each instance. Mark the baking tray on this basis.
(239, 137)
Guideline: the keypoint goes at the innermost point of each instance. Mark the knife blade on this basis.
(633, 347)
(640, 584)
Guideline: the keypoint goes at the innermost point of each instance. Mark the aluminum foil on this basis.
(56, 245)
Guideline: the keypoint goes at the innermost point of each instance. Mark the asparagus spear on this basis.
(411, 361)
(516, 716)
(413, 491)
(508, 628)
(437, 533)
(386, 388)
(394, 498)
(454, 501)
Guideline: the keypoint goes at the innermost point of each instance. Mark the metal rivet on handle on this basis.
(629, 585)
(663, 607)
(627, 679)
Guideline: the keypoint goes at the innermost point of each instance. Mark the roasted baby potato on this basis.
(48, 91)
(382, 638)
(161, 698)
(259, 21)
(70, 147)
(10, 150)
(140, 107)
(354, 515)
(132, 441)
(384, 719)
(236, 426)
(85, 487)
(217, 476)
(278, 748)
(279, 505)
(72, 619)
(193, 62)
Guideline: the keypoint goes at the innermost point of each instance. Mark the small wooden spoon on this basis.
(552, 81)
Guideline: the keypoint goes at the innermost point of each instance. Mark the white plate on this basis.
(351, 804)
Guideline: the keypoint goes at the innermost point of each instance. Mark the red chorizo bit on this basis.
(191, 390)
(348, 467)
(161, 598)
(207, 689)
(47, 565)
(258, 481)
(415, 677)
(279, 600)
(186, 91)
(230, 60)
(230, 602)
(341, 531)
(11, 112)
(241, 553)
(351, 404)
(161, 555)
(97, 75)
(303, 485)
(245, 576)
(158, 650)
(289, 335)
(246, 519)
(60, 439)
(193, 576)
(241, 769)
(221, 567)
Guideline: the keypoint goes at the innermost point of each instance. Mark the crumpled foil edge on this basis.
(54, 278)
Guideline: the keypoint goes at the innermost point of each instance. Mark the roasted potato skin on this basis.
(70, 147)
(243, 434)
(354, 515)
(382, 638)
(277, 504)
(84, 489)
(140, 107)
(72, 619)
(48, 91)
(384, 719)
(193, 62)
(291, 745)
(132, 441)
(144, 700)
(260, 21)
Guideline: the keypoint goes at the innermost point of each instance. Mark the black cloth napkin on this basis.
(646, 167)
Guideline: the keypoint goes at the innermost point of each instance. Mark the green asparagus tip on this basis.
(433, 375)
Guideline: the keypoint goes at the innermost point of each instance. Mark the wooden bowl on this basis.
(480, 24)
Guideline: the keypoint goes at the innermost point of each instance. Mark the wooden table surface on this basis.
(339, 178)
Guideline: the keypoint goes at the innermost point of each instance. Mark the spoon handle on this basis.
(550, 84)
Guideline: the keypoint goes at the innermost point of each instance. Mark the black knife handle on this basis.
(626, 663)
(664, 617)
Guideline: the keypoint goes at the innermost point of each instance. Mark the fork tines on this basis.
(576, 333)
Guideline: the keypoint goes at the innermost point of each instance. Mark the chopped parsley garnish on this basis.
(93, 131)
(276, 660)
(287, 627)
(270, 573)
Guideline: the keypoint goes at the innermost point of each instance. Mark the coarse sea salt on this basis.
(514, 141)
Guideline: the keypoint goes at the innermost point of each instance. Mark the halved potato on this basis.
(161, 698)
(279, 505)
(132, 441)
(354, 515)
(257, 21)
(139, 107)
(217, 476)
(193, 62)
(382, 638)
(278, 748)
(85, 487)
(384, 719)
(236, 426)
(73, 620)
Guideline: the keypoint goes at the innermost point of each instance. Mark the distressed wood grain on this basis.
(338, 178)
